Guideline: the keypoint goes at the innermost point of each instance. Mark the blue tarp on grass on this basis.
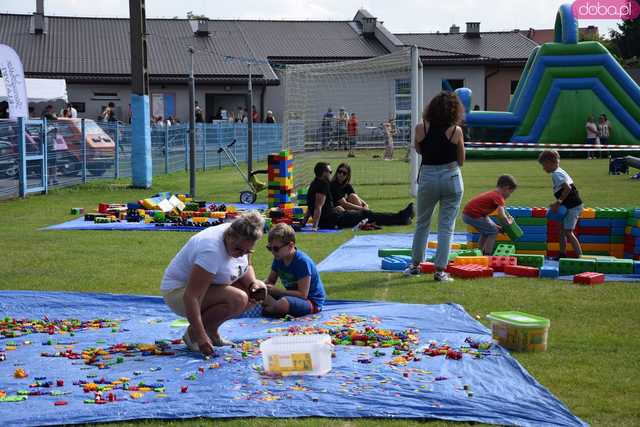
(230, 386)
(360, 254)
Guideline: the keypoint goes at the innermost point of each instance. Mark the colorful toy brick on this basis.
(385, 252)
(571, 266)
(549, 272)
(503, 249)
(471, 271)
(558, 215)
(530, 260)
(478, 260)
(427, 267)
(521, 271)
(77, 211)
(614, 266)
(512, 230)
(497, 263)
(636, 267)
(395, 263)
(533, 221)
(588, 278)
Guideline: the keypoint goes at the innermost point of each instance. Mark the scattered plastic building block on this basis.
(636, 267)
(539, 212)
(549, 272)
(614, 266)
(470, 271)
(530, 260)
(469, 252)
(395, 263)
(427, 267)
(572, 266)
(588, 278)
(478, 260)
(504, 249)
(393, 251)
(499, 262)
(512, 230)
(521, 271)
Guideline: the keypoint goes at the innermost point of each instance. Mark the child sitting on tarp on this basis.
(303, 291)
(476, 212)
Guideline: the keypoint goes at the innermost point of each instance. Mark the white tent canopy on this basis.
(41, 90)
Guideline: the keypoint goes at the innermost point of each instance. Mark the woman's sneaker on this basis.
(442, 276)
(411, 270)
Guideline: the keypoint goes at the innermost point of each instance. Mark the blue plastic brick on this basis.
(635, 232)
(618, 223)
(592, 238)
(603, 222)
(517, 211)
(532, 238)
(549, 272)
(395, 263)
(473, 237)
(534, 229)
(636, 267)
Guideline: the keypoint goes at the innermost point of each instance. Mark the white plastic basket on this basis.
(297, 354)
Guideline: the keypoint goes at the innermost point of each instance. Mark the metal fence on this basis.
(37, 155)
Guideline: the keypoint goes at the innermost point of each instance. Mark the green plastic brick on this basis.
(393, 251)
(532, 246)
(523, 220)
(614, 266)
(530, 260)
(571, 266)
(469, 252)
(504, 249)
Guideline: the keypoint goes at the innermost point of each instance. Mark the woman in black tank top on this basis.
(440, 141)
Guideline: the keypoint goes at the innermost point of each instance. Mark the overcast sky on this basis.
(399, 16)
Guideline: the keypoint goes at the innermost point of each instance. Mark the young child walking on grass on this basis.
(303, 291)
(566, 194)
(476, 212)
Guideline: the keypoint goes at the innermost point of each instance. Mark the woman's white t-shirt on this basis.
(206, 249)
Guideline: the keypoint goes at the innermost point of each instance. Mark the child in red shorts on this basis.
(476, 212)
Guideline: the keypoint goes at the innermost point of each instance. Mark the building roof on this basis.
(504, 46)
(90, 48)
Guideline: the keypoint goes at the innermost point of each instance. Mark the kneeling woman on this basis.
(210, 280)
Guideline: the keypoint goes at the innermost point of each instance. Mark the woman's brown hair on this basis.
(347, 179)
(444, 110)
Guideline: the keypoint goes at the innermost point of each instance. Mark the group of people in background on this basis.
(597, 134)
(242, 116)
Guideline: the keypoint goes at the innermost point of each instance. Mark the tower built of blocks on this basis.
(280, 184)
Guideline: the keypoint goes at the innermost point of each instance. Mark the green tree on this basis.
(627, 38)
(194, 16)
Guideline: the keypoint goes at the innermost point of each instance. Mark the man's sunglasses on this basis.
(275, 248)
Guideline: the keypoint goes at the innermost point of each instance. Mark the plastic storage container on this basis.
(519, 331)
(297, 354)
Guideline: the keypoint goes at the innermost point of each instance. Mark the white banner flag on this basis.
(13, 76)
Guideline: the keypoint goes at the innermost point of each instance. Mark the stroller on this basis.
(255, 186)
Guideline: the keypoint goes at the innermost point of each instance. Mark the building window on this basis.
(403, 109)
(105, 96)
(163, 105)
(451, 85)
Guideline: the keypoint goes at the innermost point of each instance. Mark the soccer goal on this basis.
(382, 94)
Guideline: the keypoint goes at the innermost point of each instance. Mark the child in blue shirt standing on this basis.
(303, 291)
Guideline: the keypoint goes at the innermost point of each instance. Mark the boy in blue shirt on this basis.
(303, 291)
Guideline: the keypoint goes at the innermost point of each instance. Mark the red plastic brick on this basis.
(539, 212)
(597, 231)
(521, 271)
(471, 271)
(498, 262)
(427, 267)
(588, 278)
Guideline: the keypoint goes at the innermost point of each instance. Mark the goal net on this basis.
(319, 102)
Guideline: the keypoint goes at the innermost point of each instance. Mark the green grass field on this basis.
(591, 365)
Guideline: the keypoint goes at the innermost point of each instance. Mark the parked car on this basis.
(100, 146)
